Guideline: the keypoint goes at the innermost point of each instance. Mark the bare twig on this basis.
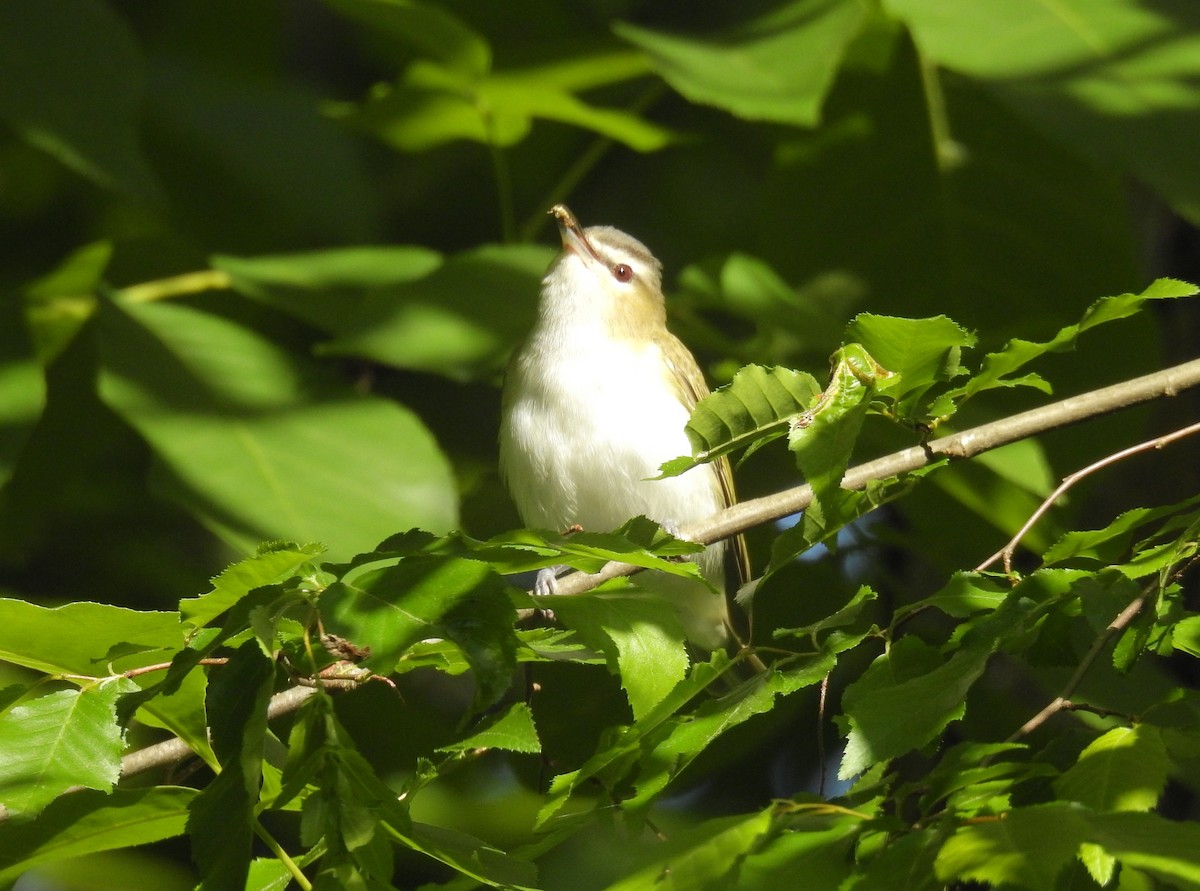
(1062, 701)
(1010, 549)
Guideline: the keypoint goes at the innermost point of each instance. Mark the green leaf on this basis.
(1113, 543)
(1185, 636)
(823, 439)
(433, 105)
(775, 68)
(89, 822)
(85, 638)
(704, 857)
(641, 637)
(906, 864)
(261, 445)
(56, 306)
(71, 84)
(1028, 848)
(829, 633)
(446, 321)
(1113, 79)
(22, 387)
(820, 853)
(904, 700)
(611, 762)
(1166, 849)
(221, 825)
(965, 594)
(64, 739)
(997, 367)
(472, 857)
(921, 352)
(326, 288)
(639, 542)
(512, 730)
(1124, 770)
(758, 405)
(275, 562)
(391, 608)
(692, 735)
(427, 28)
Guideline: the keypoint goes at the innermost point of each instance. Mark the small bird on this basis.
(597, 399)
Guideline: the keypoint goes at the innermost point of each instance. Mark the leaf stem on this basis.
(282, 856)
(176, 286)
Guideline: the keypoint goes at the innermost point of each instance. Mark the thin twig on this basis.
(1010, 549)
(1063, 699)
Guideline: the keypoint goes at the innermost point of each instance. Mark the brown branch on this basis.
(967, 444)
(1062, 701)
(1158, 442)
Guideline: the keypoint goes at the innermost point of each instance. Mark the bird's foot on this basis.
(546, 583)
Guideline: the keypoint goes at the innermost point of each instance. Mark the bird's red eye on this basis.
(622, 273)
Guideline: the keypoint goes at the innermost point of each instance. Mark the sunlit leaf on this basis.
(391, 608)
(775, 68)
(64, 739)
(1124, 770)
(259, 444)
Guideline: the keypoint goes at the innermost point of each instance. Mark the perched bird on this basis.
(597, 399)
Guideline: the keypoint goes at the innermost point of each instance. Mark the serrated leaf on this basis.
(823, 439)
(920, 352)
(905, 700)
(1185, 635)
(704, 857)
(64, 739)
(610, 764)
(512, 730)
(260, 444)
(472, 857)
(1112, 543)
(1164, 848)
(221, 823)
(641, 637)
(1126, 769)
(424, 596)
(776, 68)
(997, 367)
(89, 822)
(524, 550)
(904, 865)
(1027, 848)
(85, 638)
(821, 854)
(965, 594)
(688, 738)
(755, 407)
(273, 563)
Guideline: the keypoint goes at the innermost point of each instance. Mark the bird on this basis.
(596, 399)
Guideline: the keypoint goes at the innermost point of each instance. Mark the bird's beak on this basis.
(573, 238)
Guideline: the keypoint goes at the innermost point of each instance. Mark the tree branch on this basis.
(757, 511)
(967, 444)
